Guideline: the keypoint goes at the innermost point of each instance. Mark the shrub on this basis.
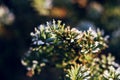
(75, 52)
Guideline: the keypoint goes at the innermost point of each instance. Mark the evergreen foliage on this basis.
(76, 52)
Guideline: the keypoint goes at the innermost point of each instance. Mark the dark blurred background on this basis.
(19, 17)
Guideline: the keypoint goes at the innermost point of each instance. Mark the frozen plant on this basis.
(78, 72)
(75, 52)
